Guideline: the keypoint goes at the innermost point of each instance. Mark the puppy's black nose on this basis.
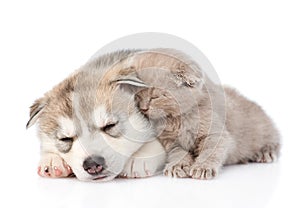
(94, 164)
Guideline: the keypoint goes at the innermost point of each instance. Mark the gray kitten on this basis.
(204, 126)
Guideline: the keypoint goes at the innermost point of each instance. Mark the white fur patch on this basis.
(67, 127)
(47, 143)
(122, 146)
(100, 116)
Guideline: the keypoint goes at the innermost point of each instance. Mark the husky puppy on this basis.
(89, 125)
(131, 112)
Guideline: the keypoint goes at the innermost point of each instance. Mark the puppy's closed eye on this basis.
(67, 139)
(64, 144)
(108, 126)
(111, 129)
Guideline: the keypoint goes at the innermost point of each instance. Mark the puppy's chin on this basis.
(104, 179)
(98, 178)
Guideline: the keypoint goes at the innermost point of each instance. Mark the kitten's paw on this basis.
(53, 166)
(176, 171)
(268, 154)
(179, 169)
(203, 172)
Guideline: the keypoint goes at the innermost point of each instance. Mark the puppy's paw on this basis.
(143, 167)
(203, 172)
(180, 169)
(53, 166)
(136, 168)
(148, 161)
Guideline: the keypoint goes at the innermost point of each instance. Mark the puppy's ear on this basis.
(35, 111)
(130, 79)
(130, 82)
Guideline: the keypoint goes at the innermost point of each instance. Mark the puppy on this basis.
(124, 113)
(89, 125)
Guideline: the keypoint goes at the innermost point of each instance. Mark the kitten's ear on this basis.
(35, 111)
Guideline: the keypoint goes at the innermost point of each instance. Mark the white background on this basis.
(253, 45)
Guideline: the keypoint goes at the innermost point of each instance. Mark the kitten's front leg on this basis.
(211, 154)
(178, 163)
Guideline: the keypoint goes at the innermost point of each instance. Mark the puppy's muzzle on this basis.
(94, 165)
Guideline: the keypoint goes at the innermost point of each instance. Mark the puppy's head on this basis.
(92, 122)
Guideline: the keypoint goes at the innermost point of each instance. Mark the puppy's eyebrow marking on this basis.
(100, 116)
(67, 127)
